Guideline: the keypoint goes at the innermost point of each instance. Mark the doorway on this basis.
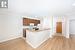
(59, 27)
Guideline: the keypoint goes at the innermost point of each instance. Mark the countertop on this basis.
(38, 30)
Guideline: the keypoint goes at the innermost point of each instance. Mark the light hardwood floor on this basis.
(56, 43)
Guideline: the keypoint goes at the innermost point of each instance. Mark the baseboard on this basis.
(72, 35)
(10, 39)
(67, 36)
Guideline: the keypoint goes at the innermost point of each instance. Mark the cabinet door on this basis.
(27, 21)
(59, 27)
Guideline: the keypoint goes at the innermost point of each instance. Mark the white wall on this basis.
(10, 27)
(47, 23)
(72, 26)
(10, 22)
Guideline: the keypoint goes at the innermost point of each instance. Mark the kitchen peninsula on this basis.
(37, 37)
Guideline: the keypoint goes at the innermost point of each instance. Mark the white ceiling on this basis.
(42, 7)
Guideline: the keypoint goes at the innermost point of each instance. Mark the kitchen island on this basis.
(36, 37)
